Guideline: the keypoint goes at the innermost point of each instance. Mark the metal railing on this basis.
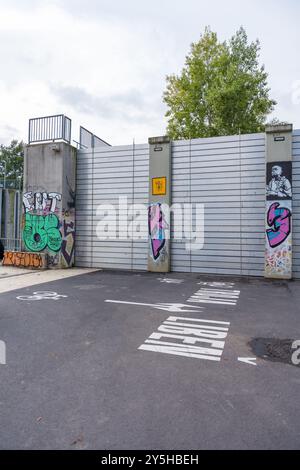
(10, 184)
(11, 244)
(50, 129)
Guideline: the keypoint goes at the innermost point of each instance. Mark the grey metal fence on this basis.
(49, 128)
(89, 140)
(11, 244)
(226, 174)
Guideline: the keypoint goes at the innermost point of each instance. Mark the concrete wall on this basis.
(159, 195)
(48, 224)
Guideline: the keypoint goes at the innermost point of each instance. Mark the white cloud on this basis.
(103, 62)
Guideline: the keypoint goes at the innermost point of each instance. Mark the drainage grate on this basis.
(273, 349)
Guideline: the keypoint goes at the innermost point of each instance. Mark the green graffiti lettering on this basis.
(42, 231)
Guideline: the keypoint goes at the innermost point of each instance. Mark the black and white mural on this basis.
(279, 181)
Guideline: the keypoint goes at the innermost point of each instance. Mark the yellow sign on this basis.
(159, 186)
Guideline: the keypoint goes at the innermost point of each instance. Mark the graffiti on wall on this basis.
(53, 260)
(279, 181)
(41, 222)
(279, 219)
(68, 237)
(156, 226)
(41, 202)
(42, 232)
(22, 259)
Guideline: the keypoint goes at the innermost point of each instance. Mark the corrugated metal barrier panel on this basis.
(104, 174)
(296, 204)
(227, 175)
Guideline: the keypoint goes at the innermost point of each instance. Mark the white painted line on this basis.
(191, 325)
(170, 281)
(186, 335)
(192, 331)
(189, 339)
(223, 285)
(209, 301)
(175, 308)
(42, 295)
(248, 360)
(215, 296)
(2, 353)
(174, 319)
(176, 350)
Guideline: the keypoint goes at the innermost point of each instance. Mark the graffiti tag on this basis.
(27, 260)
(42, 231)
(280, 219)
(68, 243)
(40, 201)
(156, 227)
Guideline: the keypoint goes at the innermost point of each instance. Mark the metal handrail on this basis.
(49, 129)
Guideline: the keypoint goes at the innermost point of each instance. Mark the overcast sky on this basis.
(103, 62)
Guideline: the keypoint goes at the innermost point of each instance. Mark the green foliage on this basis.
(11, 163)
(222, 89)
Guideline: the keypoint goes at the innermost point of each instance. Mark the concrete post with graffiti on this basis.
(48, 224)
(279, 192)
(159, 204)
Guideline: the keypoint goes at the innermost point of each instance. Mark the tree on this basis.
(11, 164)
(222, 89)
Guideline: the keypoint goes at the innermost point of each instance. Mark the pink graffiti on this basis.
(156, 228)
(280, 219)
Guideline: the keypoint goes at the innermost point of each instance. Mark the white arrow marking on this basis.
(248, 360)
(181, 308)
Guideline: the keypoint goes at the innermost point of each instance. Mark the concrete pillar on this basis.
(48, 224)
(159, 203)
(278, 254)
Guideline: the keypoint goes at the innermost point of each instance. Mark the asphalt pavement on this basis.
(122, 360)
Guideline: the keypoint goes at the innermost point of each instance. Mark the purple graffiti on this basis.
(156, 228)
(280, 219)
(68, 243)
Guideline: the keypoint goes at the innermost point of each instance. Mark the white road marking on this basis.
(2, 353)
(248, 360)
(187, 333)
(42, 295)
(174, 319)
(215, 296)
(221, 285)
(175, 308)
(170, 281)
